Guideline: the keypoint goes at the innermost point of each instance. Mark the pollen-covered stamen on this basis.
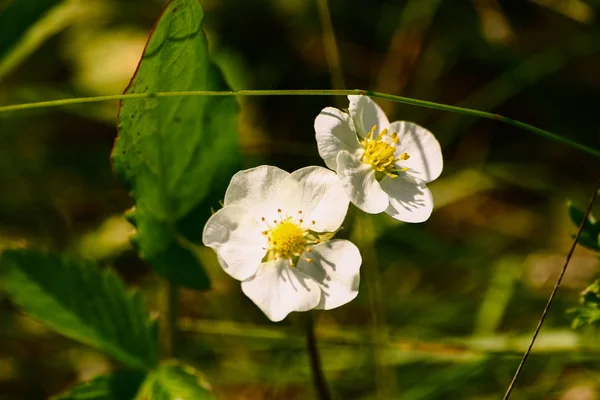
(287, 239)
(290, 238)
(380, 152)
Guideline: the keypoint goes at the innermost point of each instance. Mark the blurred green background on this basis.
(446, 307)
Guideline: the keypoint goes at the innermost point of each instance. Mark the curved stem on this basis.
(553, 294)
(318, 92)
(315, 360)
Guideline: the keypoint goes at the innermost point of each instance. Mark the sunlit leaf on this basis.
(82, 302)
(174, 381)
(117, 386)
(176, 154)
(588, 313)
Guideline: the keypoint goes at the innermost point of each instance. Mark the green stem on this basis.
(318, 92)
(315, 360)
(169, 330)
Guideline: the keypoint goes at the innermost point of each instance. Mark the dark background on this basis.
(446, 307)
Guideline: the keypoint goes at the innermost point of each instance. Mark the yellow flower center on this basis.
(287, 239)
(380, 153)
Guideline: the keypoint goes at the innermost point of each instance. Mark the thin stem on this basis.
(315, 360)
(318, 92)
(169, 330)
(556, 286)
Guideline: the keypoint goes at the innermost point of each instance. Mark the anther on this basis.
(313, 222)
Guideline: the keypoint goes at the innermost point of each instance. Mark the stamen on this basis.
(380, 153)
(290, 240)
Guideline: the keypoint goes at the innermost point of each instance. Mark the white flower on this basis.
(272, 234)
(383, 166)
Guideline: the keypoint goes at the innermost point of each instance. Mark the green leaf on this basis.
(176, 154)
(591, 226)
(82, 302)
(588, 313)
(173, 381)
(590, 236)
(117, 386)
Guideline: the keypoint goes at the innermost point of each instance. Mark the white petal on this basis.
(366, 113)
(319, 194)
(278, 289)
(425, 162)
(334, 131)
(410, 199)
(358, 179)
(255, 189)
(233, 233)
(335, 266)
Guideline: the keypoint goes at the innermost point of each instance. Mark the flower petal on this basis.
(366, 113)
(255, 188)
(334, 131)
(410, 199)
(318, 193)
(278, 289)
(236, 238)
(425, 162)
(335, 266)
(358, 179)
